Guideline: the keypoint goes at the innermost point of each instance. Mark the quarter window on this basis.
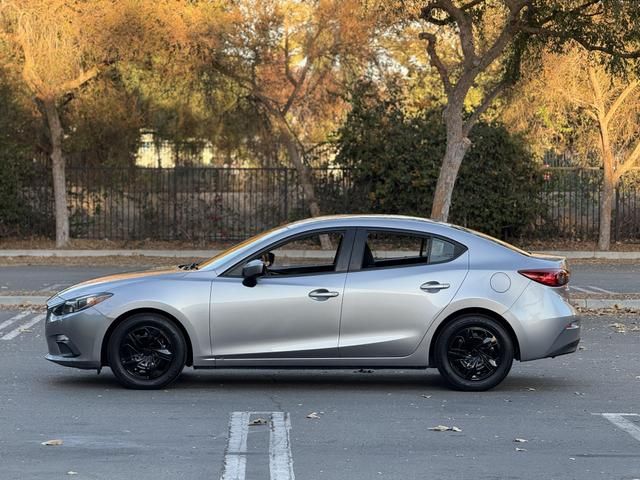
(392, 249)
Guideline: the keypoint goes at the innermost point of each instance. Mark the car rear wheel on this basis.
(474, 353)
(147, 351)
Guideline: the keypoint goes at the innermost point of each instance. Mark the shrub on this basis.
(394, 160)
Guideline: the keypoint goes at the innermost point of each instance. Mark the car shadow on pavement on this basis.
(402, 381)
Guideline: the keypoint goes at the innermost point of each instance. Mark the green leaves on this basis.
(395, 160)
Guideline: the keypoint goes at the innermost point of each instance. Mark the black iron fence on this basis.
(202, 204)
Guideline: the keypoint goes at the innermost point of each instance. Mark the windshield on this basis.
(237, 247)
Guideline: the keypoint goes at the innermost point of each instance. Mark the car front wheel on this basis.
(474, 353)
(147, 351)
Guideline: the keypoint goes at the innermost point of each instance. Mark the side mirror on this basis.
(251, 271)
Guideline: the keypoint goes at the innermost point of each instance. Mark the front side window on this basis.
(394, 249)
(302, 255)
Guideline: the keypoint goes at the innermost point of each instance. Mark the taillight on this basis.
(552, 277)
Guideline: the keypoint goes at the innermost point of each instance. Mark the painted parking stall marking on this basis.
(621, 421)
(591, 289)
(14, 319)
(280, 458)
(17, 331)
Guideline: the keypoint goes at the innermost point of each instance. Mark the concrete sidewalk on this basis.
(575, 254)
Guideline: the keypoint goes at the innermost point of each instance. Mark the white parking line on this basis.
(17, 331)
(592, 287)
(619, 420)
(14, 319)
(580, 289)
(235, 458)
(53, 288)
(280, 458)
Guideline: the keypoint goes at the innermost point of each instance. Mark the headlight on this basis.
(80, 303)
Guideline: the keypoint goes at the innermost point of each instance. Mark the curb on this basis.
(599, 303)
(9, 300)
(586, 303)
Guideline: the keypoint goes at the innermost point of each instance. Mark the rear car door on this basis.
(294, 310)
(398, 282)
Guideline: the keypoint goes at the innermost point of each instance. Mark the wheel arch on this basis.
(478, 311)
(129, 313)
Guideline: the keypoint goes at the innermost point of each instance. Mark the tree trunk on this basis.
(457, 146)
(58, 171)
(608, 181)
(305, 181)
(606, 204)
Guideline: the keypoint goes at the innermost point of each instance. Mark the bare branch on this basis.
(583, 42)
(80, 80)
(461, 18)
(488, 99)
(436, 61)
(620, 100)
(631, 161)
(287, 68)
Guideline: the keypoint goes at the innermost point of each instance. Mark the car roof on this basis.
(352, 220)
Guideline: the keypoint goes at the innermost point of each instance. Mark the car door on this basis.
(397, 284)
(293, 311)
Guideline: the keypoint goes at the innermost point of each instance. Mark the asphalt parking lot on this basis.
(369, 426)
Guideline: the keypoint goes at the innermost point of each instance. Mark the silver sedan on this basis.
(342, 291)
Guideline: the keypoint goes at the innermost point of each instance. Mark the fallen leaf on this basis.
(520, 440)
(257, 421)
(444, 428)
(52, 443)
(521, 449)
(313, 415)
(439, 428)
(26, 330)
(620, 327)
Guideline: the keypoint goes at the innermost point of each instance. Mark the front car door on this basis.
(399, 281)
(294, 310)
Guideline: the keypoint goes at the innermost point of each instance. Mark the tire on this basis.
(474, 353)
(146, 351)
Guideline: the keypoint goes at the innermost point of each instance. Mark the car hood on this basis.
(103, 284)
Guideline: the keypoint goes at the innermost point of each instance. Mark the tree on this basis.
(493, 37)
(55, 58)
(294, 59)
(604, 111)
(392, 156)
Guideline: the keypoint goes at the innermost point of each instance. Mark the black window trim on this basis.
(342, 263)
(357, 255)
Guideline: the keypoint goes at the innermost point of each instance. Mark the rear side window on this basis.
(394, 249)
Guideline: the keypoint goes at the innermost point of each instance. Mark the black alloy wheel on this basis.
(147, 351)
(474, 353)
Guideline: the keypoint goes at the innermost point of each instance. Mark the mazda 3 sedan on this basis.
(341, 291)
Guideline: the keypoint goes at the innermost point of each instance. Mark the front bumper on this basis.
(75, 340)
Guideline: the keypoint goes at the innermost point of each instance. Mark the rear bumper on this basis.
(545, 323)
(567, 341)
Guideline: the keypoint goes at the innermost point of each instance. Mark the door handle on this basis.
(322, 294)
(433, 286)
